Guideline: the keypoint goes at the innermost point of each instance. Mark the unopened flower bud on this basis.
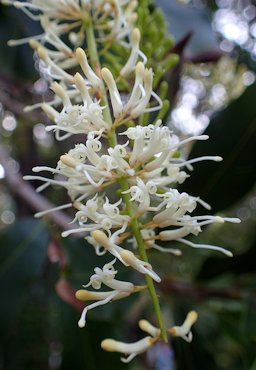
(89, 73)
(130, 349)
(184, 331)
(146, 326)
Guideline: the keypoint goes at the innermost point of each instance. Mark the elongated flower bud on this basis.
(184, 331)
(89, 73)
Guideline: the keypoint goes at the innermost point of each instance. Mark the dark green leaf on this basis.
(18, 60)
(233, 136)
(240, 264)
(23, 251)
(253, 367)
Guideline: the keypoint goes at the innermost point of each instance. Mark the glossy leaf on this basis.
(17, 61)
(232, 136)
(243, 263)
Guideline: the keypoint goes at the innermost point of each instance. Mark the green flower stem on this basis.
(95, 63)
(143, 255)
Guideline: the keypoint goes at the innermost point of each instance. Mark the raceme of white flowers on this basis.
(144, 161)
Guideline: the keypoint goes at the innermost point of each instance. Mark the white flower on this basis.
(120, 22)
(135, 53)
(184, 331)
(51, 40)
(62, 10)
(143, 267)
(126, 257)
(100, 214)
(131, 350)
(106, 276)
(109, 243)
(114, 20)
(149, 237)
(147, 165)
(148, 141)
(141, 93)
(118, 154)
(141, 193)
(81, 180)
(63, 56)
(176, 205)
(140, 96)
(51, 66)
(75, 118)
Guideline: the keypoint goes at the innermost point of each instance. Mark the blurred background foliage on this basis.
(212, 89)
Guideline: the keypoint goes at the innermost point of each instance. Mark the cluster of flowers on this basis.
(145, 161)
(63, 23)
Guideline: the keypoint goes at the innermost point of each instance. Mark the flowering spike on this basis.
(145, 161)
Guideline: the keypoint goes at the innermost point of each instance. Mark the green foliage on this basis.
(232, 136)
(81, 348)
(22, 254)
(18, 61)
(36, 324)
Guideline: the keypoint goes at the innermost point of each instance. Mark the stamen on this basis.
(43, 213)
(206, 246)
(176, 252)
(82, 321)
